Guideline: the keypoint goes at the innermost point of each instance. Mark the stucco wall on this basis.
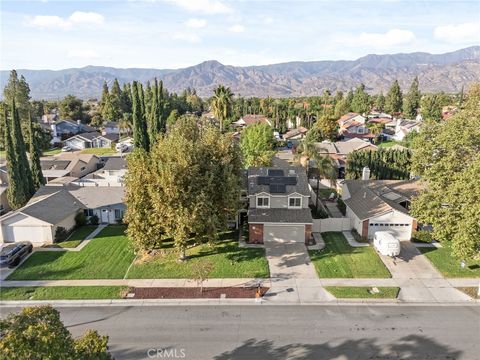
(67, 223)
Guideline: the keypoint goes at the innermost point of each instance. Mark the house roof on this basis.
(369, 198)
(251, 119)
(110, 137)
(300, 216)
(347, 116)
(298, 172)
(115, 163)
(87, 135)
(93, 197)
(61, 164)
(294, 132)
(343, 147)
(111, 124)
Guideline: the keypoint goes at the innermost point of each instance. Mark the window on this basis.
(118, 214)
(88, 212)
(263, 202)
(295, 202)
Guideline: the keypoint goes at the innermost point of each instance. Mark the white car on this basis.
(66, 148)
(386, 244)
(121, 147)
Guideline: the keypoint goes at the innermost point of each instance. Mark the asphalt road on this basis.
(283, 332)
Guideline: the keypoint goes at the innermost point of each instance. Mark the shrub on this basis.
(358, 237)
(94, 220)
(60, 234)
(422, 236)
(80, 219)
(341, 206)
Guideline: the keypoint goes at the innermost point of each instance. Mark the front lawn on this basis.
(52, 152)
(339, 260)
(387, 144)
(62, 292)
(448, 265)
(359, 292)
(107, 256)
(227, 258)
(99, 151)
(77, 236)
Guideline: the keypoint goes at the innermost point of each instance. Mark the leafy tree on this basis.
(394, 99)
(18, 89)
(140, 132)
(173, 117)
(257, 145)
(412, 100)
(222, 104)
(446, 158)
(431, 109)
(361, 100)
(380, 102)
(36, 169)
(72, 108)
(325, 128)
(38, 333)
(384, 164)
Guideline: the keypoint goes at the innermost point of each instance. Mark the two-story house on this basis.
(278, 205)
(353, 125)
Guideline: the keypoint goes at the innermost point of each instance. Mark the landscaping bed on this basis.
(195, 293)
(448, 265)
(340, 260)
(470, 291)
(62, 292)
(360, 292)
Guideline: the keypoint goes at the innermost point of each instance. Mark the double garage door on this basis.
(34, 234)
(400, 231)
(284, 233)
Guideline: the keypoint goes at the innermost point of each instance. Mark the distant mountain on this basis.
(437, 72)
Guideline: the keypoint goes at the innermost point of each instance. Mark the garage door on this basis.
(34, 234)
(285, 233)
(400, 231)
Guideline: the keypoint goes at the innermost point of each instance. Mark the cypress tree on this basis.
(154, 123)
(394, 99)
(37, 175)
(140, 135)
(412, 100)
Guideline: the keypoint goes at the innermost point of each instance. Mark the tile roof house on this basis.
(296, 134)
(353, 125)
(381, 205)
(56, 206)
(278, 205)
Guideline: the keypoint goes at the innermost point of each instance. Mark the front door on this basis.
(104, 216)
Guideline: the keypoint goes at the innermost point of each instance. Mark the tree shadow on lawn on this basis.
(411, 347)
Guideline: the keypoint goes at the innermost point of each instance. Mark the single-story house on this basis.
(112, 174)
(278, 205)
(381, 205)
(63, 129)
(56, 206)
(105, 141)
(82, 141)
(69, 164)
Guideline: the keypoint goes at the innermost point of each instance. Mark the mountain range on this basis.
(437, 72)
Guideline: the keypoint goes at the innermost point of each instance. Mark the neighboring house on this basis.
(247, 120)
(111, 128)
(105, 141)
(69, 164)
(56, 206)
(82, 141)
(353, 125)
(49, 118)
(295, 134)
(278, 205)
(381, 205)
(66, 128)
(112, 174)
(339, 151)
(404, 127)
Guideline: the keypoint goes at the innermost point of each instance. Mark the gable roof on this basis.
(115, 163)
(294, 132)
(109, 137)
(344, 147)
(251, 119)
(301, 186)
(369, 198)
(89, 136)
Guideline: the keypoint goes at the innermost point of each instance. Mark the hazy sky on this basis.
(53, 34)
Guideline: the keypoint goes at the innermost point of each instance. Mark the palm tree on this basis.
(222, 103)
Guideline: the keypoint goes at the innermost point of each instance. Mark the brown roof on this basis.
(347, 117)
(254, 119)
(295, 132)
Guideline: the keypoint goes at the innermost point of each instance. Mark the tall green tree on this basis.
(412, 100)
(361, 100)
(155, 120)
(18, 89)
(115, 101)
(257, 145)
(140, 131)
(107, 108)
(431, 108)
(394, 99)
(72, 107)
(35, 151)
(380, 101)
(222, 104)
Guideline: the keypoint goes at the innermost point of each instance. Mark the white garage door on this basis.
(400, 231)
(34, 234)
(285, 233)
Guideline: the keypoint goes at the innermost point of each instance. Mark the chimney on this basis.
(366, 173)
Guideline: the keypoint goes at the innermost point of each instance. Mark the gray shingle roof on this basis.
(115, 163)
(300, 216)
(301, 187)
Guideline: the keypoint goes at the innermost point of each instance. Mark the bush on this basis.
(60, 234)
(358, 237)
(320, 214)
(94, 220)
(341, 206)
(422, 236)
(80, 219)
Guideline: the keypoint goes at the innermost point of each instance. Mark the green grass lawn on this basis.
(387, 144)
(77, 236)
(99, 151)
(359, 292)
(62, 292)
(52, 152)
(448, 265)
(105, 257)
(339, 260)
(228, 259)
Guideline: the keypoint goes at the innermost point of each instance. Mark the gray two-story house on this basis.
(278, 205)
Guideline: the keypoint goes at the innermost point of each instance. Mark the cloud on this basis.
(56, 22)
(393, 37)
(237, 28)
(458, 34)
(204, 6)
(196, 23)
(188, 37)
(82, 54)
(268, 20)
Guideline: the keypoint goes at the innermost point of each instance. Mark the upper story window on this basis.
(263, 202)
(295, 202)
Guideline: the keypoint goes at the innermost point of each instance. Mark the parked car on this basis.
(12, 254)
(66, 148)
(289, 144)
(386, 244)
(121, 147)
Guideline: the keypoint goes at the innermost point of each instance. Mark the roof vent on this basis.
(366, 173)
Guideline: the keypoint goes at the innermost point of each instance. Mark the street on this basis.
(282, 332)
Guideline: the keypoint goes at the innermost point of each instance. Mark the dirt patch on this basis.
(194, 292)
(470, 291)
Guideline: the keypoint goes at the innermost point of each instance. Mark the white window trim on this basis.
(295, 197)
(262, 197)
